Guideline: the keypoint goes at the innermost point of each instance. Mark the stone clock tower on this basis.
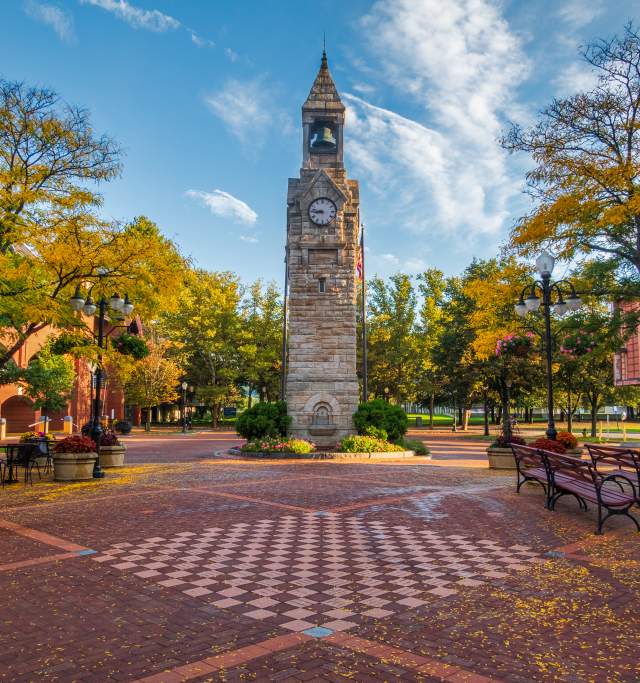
(322, 240)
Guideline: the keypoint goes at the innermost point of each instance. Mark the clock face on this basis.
(322, 211)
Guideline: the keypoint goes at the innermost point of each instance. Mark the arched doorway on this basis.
(19, 413)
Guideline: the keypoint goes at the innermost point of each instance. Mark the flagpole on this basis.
(363, 314)
(283, 365)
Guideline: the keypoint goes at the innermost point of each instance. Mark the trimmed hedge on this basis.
(383, 416)
(264, 419)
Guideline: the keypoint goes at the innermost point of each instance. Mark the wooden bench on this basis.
(531, 466)
(568, 475)
(624, 461)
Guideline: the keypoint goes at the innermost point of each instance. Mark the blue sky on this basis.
(205, 97)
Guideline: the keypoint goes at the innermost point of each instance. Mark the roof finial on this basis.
(324, 51)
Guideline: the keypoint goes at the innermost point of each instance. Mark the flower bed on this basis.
(278, 445)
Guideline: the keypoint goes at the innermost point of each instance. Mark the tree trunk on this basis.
(493, 413)
(147, 420)
(594, 417)
(486, 415)
(432, 399)
(214, 415)
(250, 396)
(569, 413)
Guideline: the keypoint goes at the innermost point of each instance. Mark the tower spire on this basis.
(323, 93)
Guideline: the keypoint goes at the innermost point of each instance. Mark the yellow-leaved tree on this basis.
(587, 154)
(51, 237)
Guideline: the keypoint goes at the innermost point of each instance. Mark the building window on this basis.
(322, 285)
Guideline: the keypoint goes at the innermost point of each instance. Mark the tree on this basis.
(48, 380)
(261, 313)
(587, 154)
(392, 349)
(153, 380)
(51, 238)
(431, 286)
(207, 333)
(48, 151)
(37, 283)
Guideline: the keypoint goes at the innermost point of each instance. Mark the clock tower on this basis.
(322, 242)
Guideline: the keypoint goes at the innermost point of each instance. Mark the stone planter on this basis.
(328, 455)
(73, 466)
(501, 458)
(112, 456)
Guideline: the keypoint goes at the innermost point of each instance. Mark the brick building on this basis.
(19, 411)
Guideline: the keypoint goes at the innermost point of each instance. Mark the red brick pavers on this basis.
(215, 569)
(171, 447)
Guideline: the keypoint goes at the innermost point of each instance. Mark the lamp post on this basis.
(88, 307)
(184, 386)
(544, 265)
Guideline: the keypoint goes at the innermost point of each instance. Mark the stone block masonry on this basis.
(322, 386)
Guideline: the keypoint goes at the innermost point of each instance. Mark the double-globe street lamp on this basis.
(553, 297)
(88, 307)
(184, 386)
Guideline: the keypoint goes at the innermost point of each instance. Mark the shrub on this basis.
(376, 432)
(503, 442)
(264, 419)
(415, 445)
(367, 444)
(548, 445)
(109, 438)
(275, 445)
(382, 415)
(75, 444)
(567, 439)
(122, 426)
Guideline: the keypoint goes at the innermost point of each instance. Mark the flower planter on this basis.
(501, 458)
(112, 456)
(73, 466)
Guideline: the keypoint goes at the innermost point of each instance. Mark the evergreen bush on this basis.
(264, 419)
(381, 415)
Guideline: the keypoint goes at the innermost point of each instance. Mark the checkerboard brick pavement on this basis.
(222, 570)
(316, 569)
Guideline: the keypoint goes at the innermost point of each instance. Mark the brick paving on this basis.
(192, 566)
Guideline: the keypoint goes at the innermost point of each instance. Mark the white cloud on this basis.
(149, 19)
(247, 109)
(225, 205)
(363, 88)
(198, 41)
(251, 239)
(232, 55)
(579, 13)
(575, 78)
(60, 20)
(461, 64)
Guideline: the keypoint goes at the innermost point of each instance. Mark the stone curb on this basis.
(321, 455)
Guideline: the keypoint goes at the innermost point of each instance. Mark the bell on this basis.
(324, 138)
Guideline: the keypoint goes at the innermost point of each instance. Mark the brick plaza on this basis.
(189, 565)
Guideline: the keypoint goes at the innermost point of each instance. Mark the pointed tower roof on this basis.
(323, 93)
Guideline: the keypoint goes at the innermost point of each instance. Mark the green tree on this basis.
(261, 313)
(207, 334)
(392, 343)
(431, 317)
(48, 380)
